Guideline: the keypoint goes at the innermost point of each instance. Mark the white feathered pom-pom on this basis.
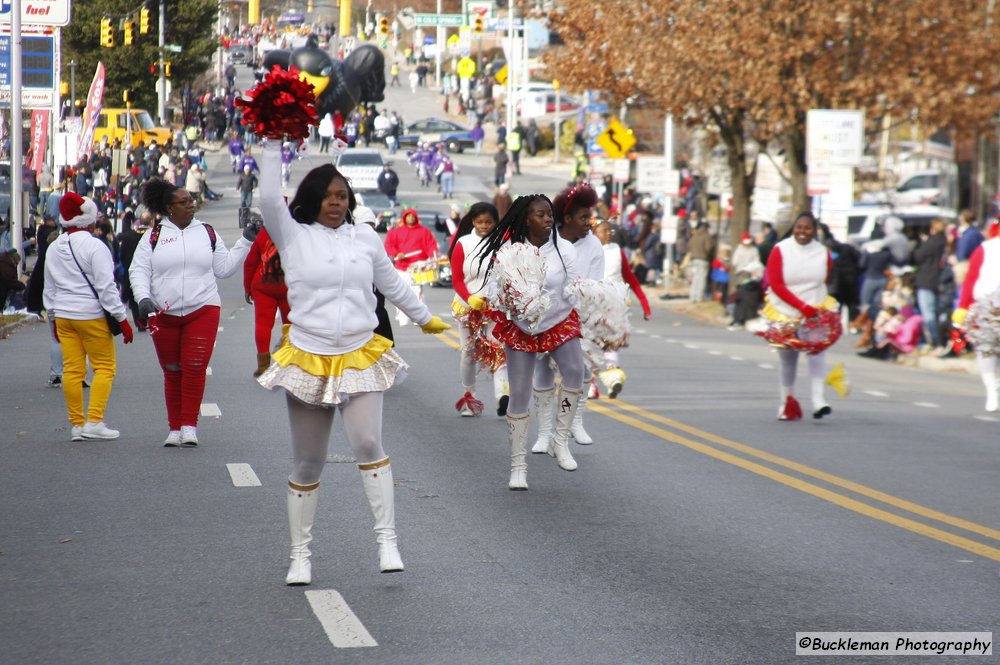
(519, 274)
(603, 310)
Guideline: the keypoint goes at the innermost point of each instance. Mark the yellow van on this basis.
(112, 123)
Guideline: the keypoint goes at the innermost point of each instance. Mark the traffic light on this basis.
(107, 33)
(477, 25)
(129, 33)
(166, 69)
(128, 97)
(144, 21)
(154, 69)
(383, 26)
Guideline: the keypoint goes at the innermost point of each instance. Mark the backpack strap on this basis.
(211, 235)
(154, 236)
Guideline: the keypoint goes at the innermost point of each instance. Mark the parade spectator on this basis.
(330, 267)
(930, 257)
(246, 184)
(173, 276)
(701, 253)
(513, 141)
(845, 272)
(235, 151)
(501, 163)
(9, 282)
(478, 135)
(79, 292)
(388, 183)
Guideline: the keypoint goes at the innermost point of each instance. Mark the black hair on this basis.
(156, 194)
(571, 199)
(795, 220)
(513, 228)
(312, 190)
(465, 224)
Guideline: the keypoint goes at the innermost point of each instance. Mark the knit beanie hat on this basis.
(77, 211)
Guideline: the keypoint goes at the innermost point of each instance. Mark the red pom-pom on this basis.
(282, 106)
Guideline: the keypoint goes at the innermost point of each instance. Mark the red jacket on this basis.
(416, 242)
(263, 265)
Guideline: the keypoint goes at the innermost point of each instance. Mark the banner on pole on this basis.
(95, 100)
(39, 138)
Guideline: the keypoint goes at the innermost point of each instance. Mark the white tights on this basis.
(789, 365)
(521, 373)
(467, 365)
(311, 427)
(988, 366)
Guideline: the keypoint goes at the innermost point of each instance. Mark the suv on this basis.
(863, 221)
(361, 166)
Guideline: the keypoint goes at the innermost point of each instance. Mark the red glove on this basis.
(809, 311)
(126, 332)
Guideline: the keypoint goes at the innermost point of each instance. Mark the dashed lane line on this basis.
(210, 410)
(927, 405)
(243, 475)
(987, 419)
(341, 625)
(765, 365)
(736, 358)
(875, 393)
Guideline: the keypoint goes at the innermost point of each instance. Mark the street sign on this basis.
(621, 170)
(442, 20)
(497, 24)
(834, 136)
(616, 140)
(653, 175)
(38, 12)
(466, 68)
(501, 75)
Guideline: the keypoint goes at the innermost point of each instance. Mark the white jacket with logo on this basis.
(66, 291)
(180, 273)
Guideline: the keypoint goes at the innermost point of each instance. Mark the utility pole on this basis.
(72, 88)
(161, 83)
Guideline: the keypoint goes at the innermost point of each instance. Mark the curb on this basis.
(6, 330)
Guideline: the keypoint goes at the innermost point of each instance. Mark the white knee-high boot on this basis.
(992, 391)
(302, 500)
(517, 437)
(576, 428)
(376, 477)
(543, 412)
(569, 401)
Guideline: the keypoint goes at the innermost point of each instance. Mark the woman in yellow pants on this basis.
(79, 286)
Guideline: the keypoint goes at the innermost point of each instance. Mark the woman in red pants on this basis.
(264, 286)
(173, 277)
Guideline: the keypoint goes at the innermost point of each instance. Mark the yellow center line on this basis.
(863, 490)
(803, 486)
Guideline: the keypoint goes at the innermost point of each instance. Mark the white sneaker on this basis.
(76, 433)
(173, 439)
(98, 431)
(189, 435)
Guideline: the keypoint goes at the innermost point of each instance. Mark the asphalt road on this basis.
(696, 530)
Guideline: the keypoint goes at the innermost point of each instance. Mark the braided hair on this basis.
(465, 224)
(513, 228)
(156, 194)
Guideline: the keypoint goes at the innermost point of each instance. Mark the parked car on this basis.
(434, 130)
(361, 166)
(864, 221)
(240, 55)
(921, 188)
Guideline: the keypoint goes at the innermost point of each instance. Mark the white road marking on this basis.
(641, 331)
(210, 410)
(736, 357)
(875, 393)
(692, 346)
(343, 628)
(655, 336)
(765, 365)
(927, 405)
(243, 475)
(208, 371)
(715, 353)
(671, 340)
(232, 316)
(987, 419)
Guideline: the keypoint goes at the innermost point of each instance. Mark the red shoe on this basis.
(790, 410)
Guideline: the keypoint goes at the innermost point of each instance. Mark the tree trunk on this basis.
(795, 157)
(731, 133)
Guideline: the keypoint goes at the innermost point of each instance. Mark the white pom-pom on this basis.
(603, 310)
(519, 276)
